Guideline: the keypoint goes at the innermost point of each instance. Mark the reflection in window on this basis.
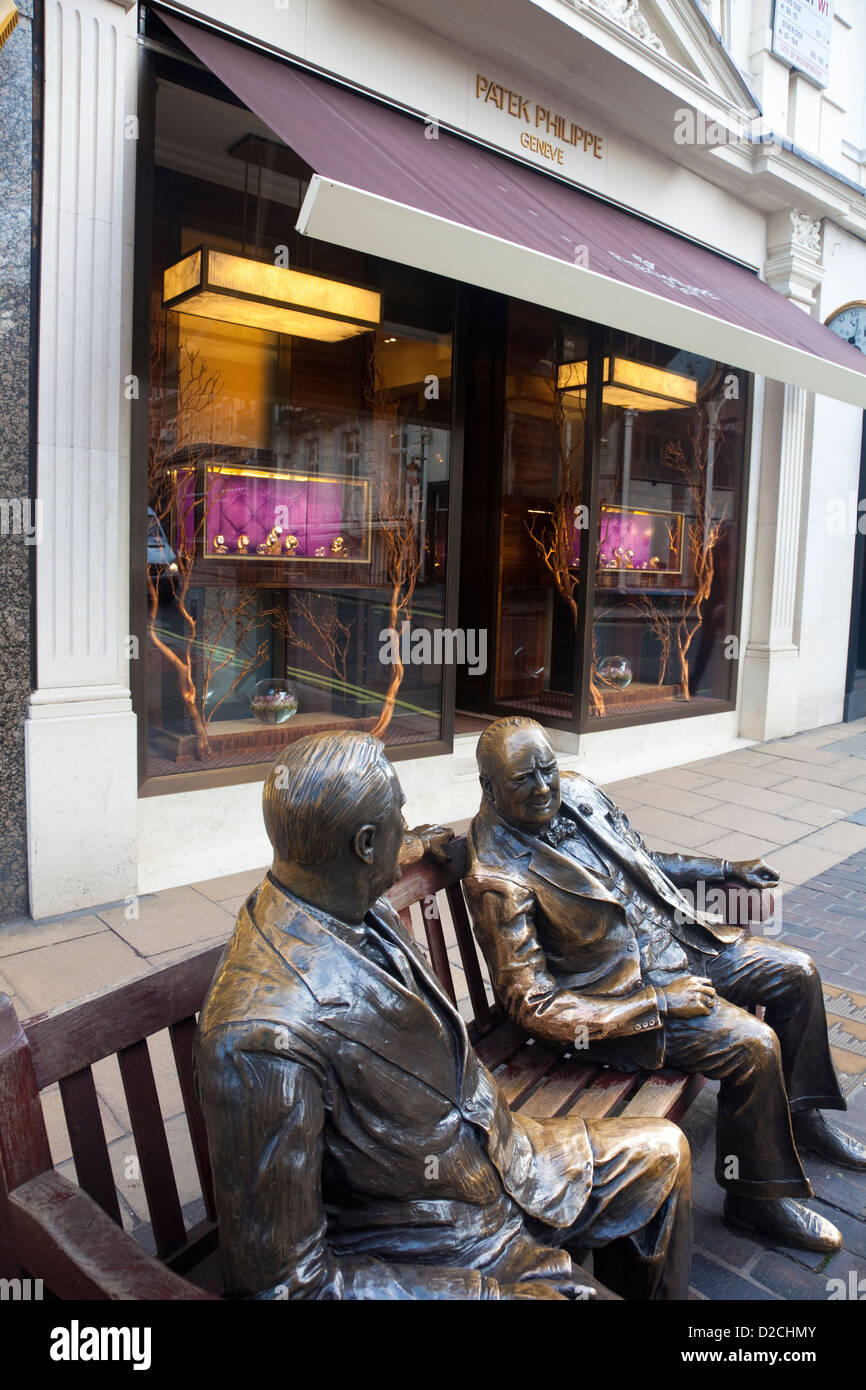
(670, 469)
(297, 487)
(542, 501)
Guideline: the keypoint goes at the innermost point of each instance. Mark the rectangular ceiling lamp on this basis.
(255, 294)
(633, 385)
(8, 20)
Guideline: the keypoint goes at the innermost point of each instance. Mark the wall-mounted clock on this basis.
(849, 323)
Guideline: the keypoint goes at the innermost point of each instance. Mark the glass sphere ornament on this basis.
(274, 701)
(615, 671)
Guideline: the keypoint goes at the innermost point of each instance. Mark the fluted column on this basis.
(769, 691)
(81, 734)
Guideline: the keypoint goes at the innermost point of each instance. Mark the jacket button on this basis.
(471, 1106)
(631, 945)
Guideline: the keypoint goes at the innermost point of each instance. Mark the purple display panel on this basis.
(315, 510)
(635, 540)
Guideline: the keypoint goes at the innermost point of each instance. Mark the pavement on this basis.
(799, 802)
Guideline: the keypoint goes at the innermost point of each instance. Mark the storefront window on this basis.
(645, 624)
(298, 463)
(669, 481)
(542, 491)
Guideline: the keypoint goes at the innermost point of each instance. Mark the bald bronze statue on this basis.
(359, 1148)
(594, 942)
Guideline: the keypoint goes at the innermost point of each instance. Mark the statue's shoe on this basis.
(787, 1221)
(812, 1130)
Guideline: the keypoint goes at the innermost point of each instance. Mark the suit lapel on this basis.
(605, 824)
(381, 913)
(564, 873)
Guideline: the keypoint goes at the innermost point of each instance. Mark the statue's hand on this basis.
(754, 873)
(689, 996)
(563, 1290)
(435, 838)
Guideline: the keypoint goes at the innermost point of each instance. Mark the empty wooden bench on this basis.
(71, 1237)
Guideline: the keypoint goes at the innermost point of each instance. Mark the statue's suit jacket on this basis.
(556, 938)
(354, 1134)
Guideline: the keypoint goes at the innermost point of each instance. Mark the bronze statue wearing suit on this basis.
(591, 943)
(359, 1147)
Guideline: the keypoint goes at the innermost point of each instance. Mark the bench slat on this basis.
(438, 951)
(604, 1094)
(517, 1076)
(182, 1036)
(152, 1147)
(469, 957)
(87, 1137)
(76, 1035)
(655, 1097)
(496, 1047)
(558, 1090)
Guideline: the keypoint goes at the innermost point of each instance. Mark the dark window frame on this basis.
(153, 65)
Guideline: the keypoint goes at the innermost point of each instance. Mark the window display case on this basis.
(249, 513)
(637, 539)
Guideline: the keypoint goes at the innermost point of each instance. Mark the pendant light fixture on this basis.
(215, 284)
(633, 385)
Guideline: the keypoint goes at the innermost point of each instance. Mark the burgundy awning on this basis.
(452, 207)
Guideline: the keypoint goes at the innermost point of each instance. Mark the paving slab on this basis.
(30, 936)
(231, 886)
(761, 823)
(166, 920)
(54, 975)
(849, 798)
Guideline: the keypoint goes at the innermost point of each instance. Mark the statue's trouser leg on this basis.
(786, 981)
(637, 1217)
(755, 1152)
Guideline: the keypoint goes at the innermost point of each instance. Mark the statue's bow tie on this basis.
(563, 828)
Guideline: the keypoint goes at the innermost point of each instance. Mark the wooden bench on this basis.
(71, 1236)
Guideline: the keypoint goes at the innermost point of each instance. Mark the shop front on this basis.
(399, 461)
(333, 537)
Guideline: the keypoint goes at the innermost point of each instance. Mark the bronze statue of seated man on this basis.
(359, 1147)
(591, 942)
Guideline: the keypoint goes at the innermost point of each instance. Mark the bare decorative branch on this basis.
(660, 624)
(691, 459)
(172, 501)
(553, 533)
(398, 518)
(334, 636)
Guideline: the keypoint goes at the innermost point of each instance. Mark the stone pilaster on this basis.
(769, 691)
(81, 732)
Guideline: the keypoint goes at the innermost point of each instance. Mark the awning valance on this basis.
(447, 205)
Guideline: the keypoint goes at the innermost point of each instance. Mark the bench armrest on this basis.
(65, 1239)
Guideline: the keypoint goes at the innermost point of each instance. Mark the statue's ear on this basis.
(487, 789)
(362, 843)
